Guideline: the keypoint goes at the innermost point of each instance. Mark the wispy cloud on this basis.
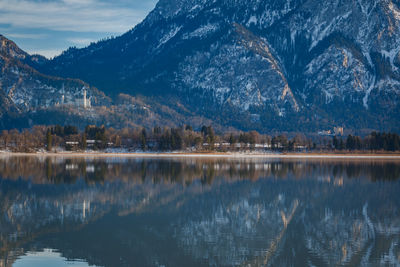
(26, 35)
(48, 27)
(70, 15)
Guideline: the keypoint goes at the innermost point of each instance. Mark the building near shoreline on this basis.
(325, 133)
(338, 130)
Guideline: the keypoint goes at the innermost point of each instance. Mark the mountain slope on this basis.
(266, 65)
(28, 97)
(24, 89)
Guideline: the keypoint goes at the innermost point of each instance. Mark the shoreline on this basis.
(227, 155)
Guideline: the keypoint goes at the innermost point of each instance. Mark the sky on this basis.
(48, 27)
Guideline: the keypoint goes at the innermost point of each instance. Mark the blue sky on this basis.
(48, 27)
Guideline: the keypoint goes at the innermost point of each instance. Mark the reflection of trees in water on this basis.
(97, 173)
(389, 171)
(214, 204)
(185, 171)
(377, 170)
(57, 174)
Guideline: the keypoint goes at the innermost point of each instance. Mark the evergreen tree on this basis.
(350, 142)
(357, 143)
(176, 139)
(341, 144)
(204, 130)
(232, 139)
(84, 142)
(335, 142)
(49, 140)
(157, 130)
(143, 139)
(291, 146)
(242, 138)
(210, 134)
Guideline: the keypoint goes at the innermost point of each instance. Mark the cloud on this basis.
(26, 35)
(79, 2)
(70, 15)
(48, 27)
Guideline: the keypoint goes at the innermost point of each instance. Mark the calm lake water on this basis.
(198, 212)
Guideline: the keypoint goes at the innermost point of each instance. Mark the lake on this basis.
(59, 211)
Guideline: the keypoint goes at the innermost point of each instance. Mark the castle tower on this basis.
(84, 99)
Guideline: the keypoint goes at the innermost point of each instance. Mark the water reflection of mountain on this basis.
(201, 212)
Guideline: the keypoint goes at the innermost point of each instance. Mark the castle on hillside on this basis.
(84, 102)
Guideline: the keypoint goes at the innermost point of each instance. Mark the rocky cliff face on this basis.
(285, 65)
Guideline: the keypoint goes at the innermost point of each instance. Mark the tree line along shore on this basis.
(185, 139)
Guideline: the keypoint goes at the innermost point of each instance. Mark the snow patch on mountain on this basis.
(202, 31)
(171, 34)
(337, 74)
(391, 55)
(321, 31)
(254, 84)
(252, 20)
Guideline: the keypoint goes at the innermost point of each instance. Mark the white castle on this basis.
(84, 102)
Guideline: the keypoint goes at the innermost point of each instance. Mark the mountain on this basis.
(292, 65)
(29, 97)
(24, 90)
